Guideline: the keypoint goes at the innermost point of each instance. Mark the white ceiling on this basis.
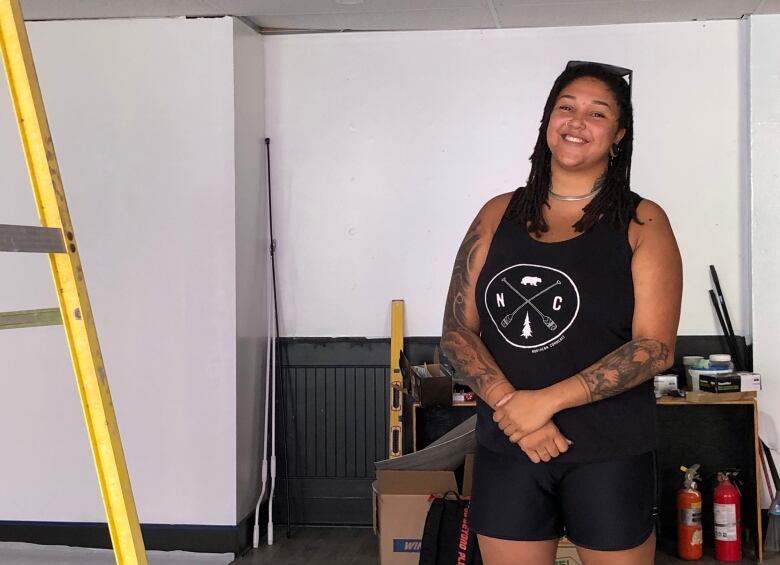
(330, 15)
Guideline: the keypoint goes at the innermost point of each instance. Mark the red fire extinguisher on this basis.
(728, 536)
(689, 535)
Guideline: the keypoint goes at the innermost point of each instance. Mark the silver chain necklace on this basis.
(567, 198)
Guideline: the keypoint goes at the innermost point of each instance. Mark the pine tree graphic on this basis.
(527, 327)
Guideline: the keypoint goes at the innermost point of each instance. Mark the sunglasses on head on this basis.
(622, 72)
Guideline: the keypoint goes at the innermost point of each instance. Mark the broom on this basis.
(772, 541)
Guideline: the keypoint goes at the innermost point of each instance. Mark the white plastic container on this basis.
(719, 361)
(690, 362)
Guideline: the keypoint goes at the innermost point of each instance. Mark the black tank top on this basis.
(550, 310)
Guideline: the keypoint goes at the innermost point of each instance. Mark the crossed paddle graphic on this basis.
(551, 325)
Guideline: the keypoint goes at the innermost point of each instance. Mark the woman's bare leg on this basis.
(507, 552)
(641, 555)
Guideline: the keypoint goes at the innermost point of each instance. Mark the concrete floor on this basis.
(315, 546)
(30, 554)
(358, 546)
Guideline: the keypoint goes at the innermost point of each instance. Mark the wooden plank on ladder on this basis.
(71, 289)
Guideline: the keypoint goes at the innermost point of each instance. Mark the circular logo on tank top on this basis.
(532, 305)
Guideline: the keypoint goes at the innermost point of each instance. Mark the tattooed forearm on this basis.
(474, 365)
(462, 346)
(625, 368)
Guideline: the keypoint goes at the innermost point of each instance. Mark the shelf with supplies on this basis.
(718, 431)
(697, 397)
(431, 404)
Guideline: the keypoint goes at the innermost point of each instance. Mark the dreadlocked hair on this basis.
(614, 201)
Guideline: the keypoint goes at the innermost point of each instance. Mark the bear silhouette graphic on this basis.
(533, 281)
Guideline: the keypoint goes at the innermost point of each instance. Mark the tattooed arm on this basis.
(623, 369)
(460, 340)
(657, 272)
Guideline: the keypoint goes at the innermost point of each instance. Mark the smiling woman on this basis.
(582, 130)
(564, 302)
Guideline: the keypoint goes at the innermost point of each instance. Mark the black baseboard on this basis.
(157, 537)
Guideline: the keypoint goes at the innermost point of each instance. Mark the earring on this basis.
(614, 150)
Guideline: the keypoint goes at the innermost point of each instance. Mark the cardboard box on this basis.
(567, 553)
(429, 385)
(729, 382)
(749, 381)
(400, 508)
(664, 384)
(726, 382)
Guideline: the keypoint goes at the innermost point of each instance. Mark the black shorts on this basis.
(605, 505)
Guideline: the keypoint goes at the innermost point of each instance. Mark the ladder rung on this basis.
(30, 318)
(31, 239)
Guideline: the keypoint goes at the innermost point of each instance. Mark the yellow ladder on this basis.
(56, 237)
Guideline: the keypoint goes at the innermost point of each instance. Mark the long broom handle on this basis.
(281, 380)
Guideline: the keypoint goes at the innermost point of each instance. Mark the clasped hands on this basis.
(525, 416)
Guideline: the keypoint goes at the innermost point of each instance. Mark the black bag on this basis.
(447, 539)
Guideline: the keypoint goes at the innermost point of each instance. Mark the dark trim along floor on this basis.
(164, 537)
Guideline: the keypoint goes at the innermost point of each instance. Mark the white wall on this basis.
(765, 169)
(251, 262)
(385, 145)
(142, 118)
(367, 130)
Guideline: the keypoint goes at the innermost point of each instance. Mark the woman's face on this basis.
(583, 126)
